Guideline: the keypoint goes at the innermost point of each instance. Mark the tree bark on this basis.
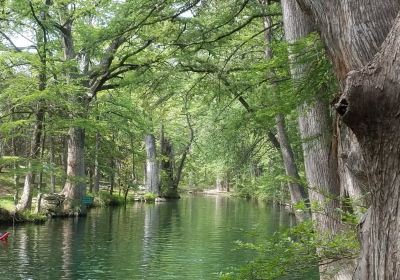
(353, 178)
(167, 166)
(218, 183)
(112, 175)
(369, 106)
(297, 192)
(42, 149)
(353, 30)
(96, 182)
(15, 165)
(52, 162)
(181, 163)
(64, 158)
(134, 177)
(75, 186)
(320, 159)
(26, 197)
(152, 172)
(372, 98)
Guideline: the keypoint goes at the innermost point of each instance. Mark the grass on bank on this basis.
(7, 204)
(104, 198)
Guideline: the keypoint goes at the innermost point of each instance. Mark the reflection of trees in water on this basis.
(160, 220)
(220, 207)
(66, 252)
(150, 227)
(22, 247)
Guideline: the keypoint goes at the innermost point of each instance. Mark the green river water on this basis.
(192, 238)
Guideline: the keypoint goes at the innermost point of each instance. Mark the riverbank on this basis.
(12, 217)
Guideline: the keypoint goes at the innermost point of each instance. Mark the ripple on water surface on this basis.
(192, 238)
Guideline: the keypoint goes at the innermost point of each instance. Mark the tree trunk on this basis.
(96, 182)
(152, 172)
(218, 183)
(320, 159)
(372, 99)
(15, 165)
(112, 175)
(43, 144)
(167, 167)
(369, 106)
(26, 197)
(52, 161)
(353, 179)
(75, 186)
(64, 158)
(91, 183)
(181, 163)
(353, 30)
(133, 170)
(297, 192)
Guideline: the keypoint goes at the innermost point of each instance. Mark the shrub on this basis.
(149, 197)
(104, 198)
(291, 254)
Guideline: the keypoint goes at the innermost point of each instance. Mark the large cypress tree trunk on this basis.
(75, 186)
(352, 172)
(367, 39)
(152, 172)
(319, 159)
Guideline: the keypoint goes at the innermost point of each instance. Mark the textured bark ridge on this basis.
(75, 186)
(314, 123)
(319, 159)
(353, 177)
(362, 38)
(353, 30)
(296, 190)
(370, 107)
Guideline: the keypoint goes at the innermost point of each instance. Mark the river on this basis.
(191, 238)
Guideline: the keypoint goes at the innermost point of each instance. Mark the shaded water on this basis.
(192, 238)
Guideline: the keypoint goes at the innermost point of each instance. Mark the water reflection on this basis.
(192, 238)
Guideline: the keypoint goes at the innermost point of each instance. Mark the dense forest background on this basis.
(107, 97)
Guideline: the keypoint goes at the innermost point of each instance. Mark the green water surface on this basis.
(191, 238)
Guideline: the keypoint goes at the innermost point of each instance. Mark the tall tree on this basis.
(316, 131)
(152, 170)
(39, 111)
(363, 38)
(296, 190)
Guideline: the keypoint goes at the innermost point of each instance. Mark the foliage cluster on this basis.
(291, 254)
(104, 198)
(149, 197)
